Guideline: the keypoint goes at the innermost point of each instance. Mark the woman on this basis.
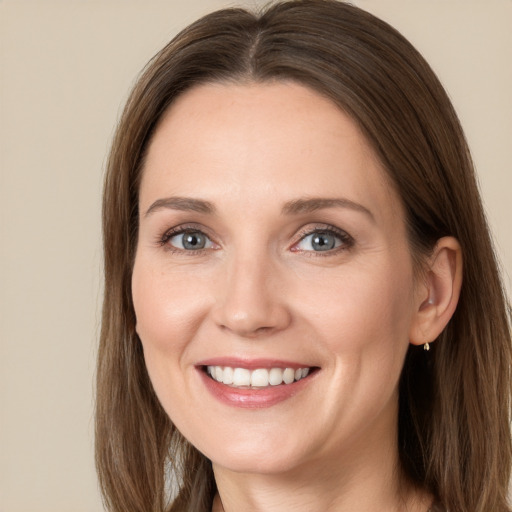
(302, 304)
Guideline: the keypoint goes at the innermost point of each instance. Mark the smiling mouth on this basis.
(259, 378)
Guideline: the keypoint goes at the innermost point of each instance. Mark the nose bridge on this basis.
(250, 302)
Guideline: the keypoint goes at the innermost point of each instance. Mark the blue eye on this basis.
(322, 241)
(190, 241)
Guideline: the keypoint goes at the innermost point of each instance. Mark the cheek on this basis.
(363, 329)
(169, 310)
(362, 320)
(361, 307)
(163, 305)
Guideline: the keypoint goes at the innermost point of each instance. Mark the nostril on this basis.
(247, 331)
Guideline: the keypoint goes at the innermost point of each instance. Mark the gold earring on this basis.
(426, 346)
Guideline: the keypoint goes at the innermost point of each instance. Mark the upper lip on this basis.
(252, 364)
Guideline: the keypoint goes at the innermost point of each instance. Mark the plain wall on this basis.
(65, 69)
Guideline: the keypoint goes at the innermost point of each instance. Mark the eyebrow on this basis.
(308, 205)
(295, 207)
(185, 204)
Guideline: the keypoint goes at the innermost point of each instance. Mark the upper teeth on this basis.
(256, 378)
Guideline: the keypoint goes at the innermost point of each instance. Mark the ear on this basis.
(438, 293)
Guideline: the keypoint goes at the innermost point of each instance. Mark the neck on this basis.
(259, 494)
(364, 478)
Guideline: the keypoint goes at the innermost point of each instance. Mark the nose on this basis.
(251, 301)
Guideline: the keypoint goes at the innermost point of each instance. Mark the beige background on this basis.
(66, 67)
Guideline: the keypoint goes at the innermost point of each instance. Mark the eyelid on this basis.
(163, 240)
(347, 240)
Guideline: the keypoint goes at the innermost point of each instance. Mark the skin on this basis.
(259, 290)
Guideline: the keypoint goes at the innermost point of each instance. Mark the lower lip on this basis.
(253, 398)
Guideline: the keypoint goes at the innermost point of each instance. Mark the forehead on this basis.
(278, 139)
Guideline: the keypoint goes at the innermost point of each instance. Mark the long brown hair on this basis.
(454, 436)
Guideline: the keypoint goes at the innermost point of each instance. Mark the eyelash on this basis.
(181, 230)
(347, 242)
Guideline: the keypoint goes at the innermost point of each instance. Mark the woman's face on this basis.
(271, 246)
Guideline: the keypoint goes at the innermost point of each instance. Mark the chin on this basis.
(261, 453)
(268, 463)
